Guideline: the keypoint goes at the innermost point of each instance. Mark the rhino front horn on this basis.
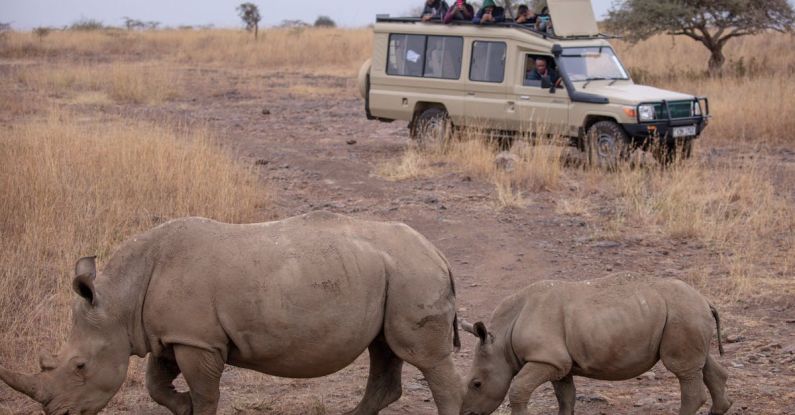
(30, 385)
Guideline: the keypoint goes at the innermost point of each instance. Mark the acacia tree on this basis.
(711, 22)
(251, 17)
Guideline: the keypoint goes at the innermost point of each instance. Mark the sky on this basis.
(27, 14)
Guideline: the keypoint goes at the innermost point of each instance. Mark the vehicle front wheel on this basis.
(606, 145)
(431, 127)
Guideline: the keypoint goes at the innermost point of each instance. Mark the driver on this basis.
(542, 72)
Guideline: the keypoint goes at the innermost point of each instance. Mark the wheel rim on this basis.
(606, 146)
(432, 131)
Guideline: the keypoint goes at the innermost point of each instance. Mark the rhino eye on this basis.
(476, 384)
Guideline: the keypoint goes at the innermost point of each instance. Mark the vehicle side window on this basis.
(488, 62)
(406, 55)
(443, 57)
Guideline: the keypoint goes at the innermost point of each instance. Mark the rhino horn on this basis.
(31, 385)
(467, 327)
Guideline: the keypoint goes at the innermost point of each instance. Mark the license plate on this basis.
(687, 131)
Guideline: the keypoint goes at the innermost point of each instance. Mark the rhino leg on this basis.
(715, 376)
(160, 375)
(566, 394)
(525, 382)
(202, 370)
(446, 386)
(383, 383)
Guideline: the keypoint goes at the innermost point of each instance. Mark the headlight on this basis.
(646, 112)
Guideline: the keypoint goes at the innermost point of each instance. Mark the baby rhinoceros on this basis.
(612, 328)
(301, 297)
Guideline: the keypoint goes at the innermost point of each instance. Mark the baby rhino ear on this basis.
(482, 333)
(85, 273)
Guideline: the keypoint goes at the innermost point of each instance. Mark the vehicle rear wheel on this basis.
(431, 127)
(606, 145)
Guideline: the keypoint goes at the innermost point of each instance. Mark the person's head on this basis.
(541, 66)
(545, 10)
(430, 2)
(488, 6)
(523, 10)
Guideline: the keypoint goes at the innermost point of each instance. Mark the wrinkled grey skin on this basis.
(301, 297)
(612, 328)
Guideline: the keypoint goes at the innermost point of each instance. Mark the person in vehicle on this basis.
(434, 10)
(460, 11)
(525, 16)
(542, 72)
(489, 13)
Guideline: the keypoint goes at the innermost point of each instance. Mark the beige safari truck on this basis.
(463, 75)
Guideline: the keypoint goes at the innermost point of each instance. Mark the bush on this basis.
(325, 21)
(87, 25)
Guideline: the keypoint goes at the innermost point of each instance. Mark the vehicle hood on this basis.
(631, 94)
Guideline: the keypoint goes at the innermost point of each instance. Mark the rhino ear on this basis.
(481, 332)
(85, 273)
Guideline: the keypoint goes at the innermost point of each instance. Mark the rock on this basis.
(506, 161)
(431, 200)
(266, 111)
(261, 162)
(648, 376)
(646, 402)
(350, 142)
(737, 365)
(606, 244)
(770, 347)
(594, 397)
(734, 338)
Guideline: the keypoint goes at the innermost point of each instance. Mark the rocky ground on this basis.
(314, 148)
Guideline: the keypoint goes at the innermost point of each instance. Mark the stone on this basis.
(350, 142)
(266, 111)
(506, 161)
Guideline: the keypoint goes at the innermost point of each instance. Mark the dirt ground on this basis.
(314, 148)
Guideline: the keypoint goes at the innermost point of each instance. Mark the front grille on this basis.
(678, 109)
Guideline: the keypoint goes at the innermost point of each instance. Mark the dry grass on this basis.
(532, 167)
(73, 188)
(326, 51)
(126, 83)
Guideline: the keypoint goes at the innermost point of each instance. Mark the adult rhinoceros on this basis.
(302, 297)
(611, 328)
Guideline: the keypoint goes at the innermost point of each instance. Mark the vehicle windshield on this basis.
(592, 63)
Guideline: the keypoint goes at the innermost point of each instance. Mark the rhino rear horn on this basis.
(30, 385)
(85, 273)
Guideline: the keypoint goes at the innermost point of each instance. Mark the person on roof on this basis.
(489, 13)
(434, 10)
(462, 11)
(544, 21)
(525, 16)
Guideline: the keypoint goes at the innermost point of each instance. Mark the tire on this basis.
(606, 145)
(431, 127)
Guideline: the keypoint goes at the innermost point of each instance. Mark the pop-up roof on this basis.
(572, 17)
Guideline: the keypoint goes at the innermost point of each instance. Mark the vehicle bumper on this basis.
(663, 130)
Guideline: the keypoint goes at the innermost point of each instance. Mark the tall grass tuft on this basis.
(72, 189)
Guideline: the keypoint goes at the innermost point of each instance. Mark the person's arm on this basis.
(478, 15)
(450, 15)
(468, 12)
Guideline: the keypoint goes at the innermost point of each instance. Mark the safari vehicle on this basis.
(462, 75)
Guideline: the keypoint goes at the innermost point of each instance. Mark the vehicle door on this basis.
(486, 103)
(540, 109)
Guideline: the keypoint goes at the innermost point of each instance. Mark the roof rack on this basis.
(508, 23)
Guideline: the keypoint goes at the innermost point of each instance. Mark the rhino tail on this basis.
(456, 339)
(716, 316)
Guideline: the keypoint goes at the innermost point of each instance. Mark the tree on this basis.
(325, 21)
(132, 24)
(711, 22)
(41, 32)
(250, 15)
